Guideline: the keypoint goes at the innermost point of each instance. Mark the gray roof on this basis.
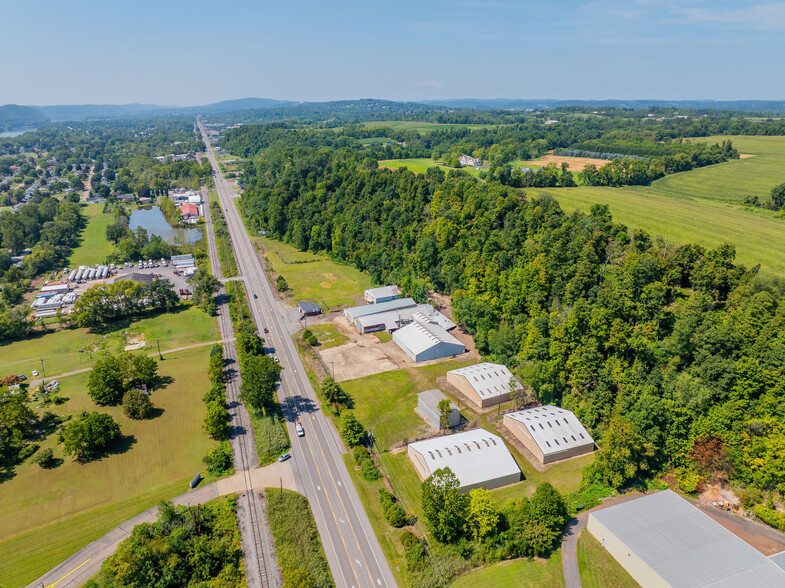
(357, 311)
(684, 546)
(433, 397)
(135, 277)
(552, 428)
(393, 319)
(474, 456)
(418, 337)
(308, 306)
(383, 291)
(779, 559)
(487, 379)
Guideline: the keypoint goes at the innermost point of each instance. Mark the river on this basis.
(154, 222)
(16, 133)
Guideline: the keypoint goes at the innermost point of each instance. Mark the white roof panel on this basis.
(487, 379)
(357, 311)
(383, 291)
(552, 428)
(473, 456)
(418, 337)
(685, 547)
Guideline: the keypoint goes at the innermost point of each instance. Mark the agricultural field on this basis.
(50, 514)
(94, 246)
(695, 206)
(574, 164)
(597, 567)
(74, 349)
(420, 127)
(420, 165)
(315, 276)
(519, 573)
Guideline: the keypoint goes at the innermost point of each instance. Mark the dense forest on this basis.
(671, 356)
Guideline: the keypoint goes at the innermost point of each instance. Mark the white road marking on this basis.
(319, 488)
(358, 562)
(339, 483)
(378, 581)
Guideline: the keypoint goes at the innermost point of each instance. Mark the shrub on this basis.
(219, 460)
(352, 431)
(27, 451)
(137, 404)
(369, 471)
(408, 539)
(771, 517)
(396, 516)
(386, 499)
(360, 454)
(280, 284)
(45, 459)
(216, 421)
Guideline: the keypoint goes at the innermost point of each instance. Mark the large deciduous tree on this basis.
(444, 507)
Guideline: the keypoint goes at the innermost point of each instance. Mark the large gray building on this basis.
(663, 540)
(549, 432)
(422, 340)
(478, 459)
(428, 405)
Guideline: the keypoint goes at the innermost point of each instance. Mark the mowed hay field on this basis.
(315, 276)
(50, 514)
(420, 165)
(94, 246)
(695, 206)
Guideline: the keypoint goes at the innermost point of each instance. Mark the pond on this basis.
(154, 222)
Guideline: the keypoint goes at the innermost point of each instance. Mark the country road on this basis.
(352, 549)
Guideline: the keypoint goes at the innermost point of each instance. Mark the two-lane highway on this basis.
(352, 549)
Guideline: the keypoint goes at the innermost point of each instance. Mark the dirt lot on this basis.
(574, 164)
(365, 355)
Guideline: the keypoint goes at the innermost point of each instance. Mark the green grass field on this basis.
(93, 246)
(328, 336)
(597, 567)
(315, 276)
(420, 165)
(697, 206)
(50, 514)
(420, 127)
(60, 350)
(519, 573)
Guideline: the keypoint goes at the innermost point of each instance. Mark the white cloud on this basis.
(762, 16)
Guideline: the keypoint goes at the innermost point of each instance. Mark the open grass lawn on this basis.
(519, 573)
(420, 165)
(328, 336)
(315, 276)
(697, 206)
(50, 514)
(597, 567)
(93, 247)
(61, 350)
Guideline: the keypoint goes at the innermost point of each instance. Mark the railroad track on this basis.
(257, 567)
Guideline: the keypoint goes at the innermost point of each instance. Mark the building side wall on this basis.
(505, 480)
(428, 412)
(419, 462)
(494, 400)
(630, 561)
(572, 452)
(519, 430)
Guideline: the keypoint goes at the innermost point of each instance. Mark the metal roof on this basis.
(684, 546)
(418, 337)
(433, 397)
(473, 456)
(357, 311)
(393, 319)
(383, 291)
(487, 379)
(779, 559)
(552, 428)
(306, 306)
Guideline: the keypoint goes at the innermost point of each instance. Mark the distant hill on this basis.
(240, 104)
(13, 117)
(772, 106)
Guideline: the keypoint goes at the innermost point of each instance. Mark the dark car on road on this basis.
(255, 297)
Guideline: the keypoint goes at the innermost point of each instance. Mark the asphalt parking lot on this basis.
(167, 272)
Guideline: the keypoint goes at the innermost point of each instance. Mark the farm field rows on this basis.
(694, 206)
(49, 514)
(61, 353)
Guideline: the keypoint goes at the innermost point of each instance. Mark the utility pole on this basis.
(160, 357)
(43, 370)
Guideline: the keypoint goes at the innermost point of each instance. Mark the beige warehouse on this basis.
(549, 432)
(485, 384)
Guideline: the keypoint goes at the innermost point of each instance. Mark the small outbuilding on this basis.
(382, 294)
(478, 459)
(549, 432)
(484, 384)
(428, 405)
(308, 308)
(663, 540)
(423, 341)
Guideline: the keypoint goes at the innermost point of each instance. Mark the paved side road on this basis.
(81, 566)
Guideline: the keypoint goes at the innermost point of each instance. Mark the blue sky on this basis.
(196, 52)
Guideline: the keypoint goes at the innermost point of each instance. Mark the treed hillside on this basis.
(672, 356)
(13, 116)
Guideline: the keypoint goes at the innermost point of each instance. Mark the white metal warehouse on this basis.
(485, 384)
(424, 340)
(479, 459)
(663, 540)
(549, 432)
